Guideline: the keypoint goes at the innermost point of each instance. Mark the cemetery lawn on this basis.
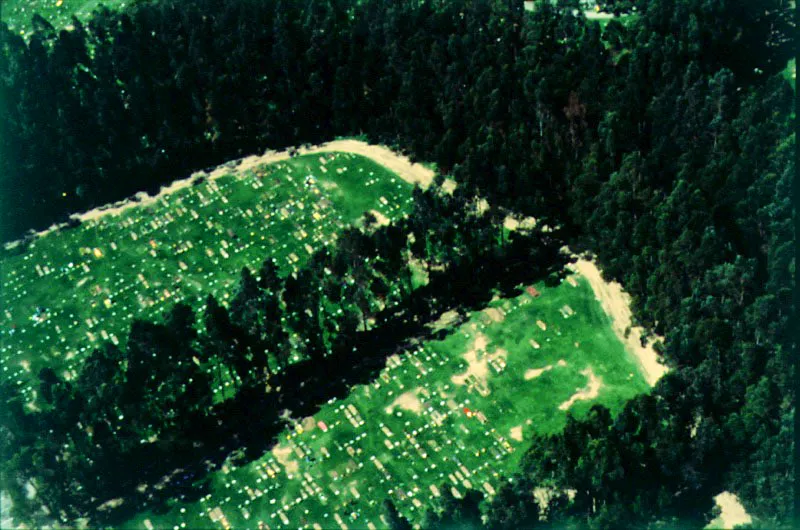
(17, 13)
(73, 289)
(456, 413)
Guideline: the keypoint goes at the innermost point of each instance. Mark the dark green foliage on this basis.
(664, 144)
(395, 520)
(502, 98)
(456, 514)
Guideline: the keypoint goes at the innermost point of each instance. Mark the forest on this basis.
(662, 143)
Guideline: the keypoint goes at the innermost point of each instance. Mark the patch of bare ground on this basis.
(282, 454)
(544, 495)
(445, 320)
(590, 391)
(308, 423)
(514, 223)
(478, 361)
(108, 505)
(496, 315)
(732, 513)
(516, 433)
(406, 401)
(382, 219)
(533, 373)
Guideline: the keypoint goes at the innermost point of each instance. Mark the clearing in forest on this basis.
(72, 289)
(617, 305)
(455, 413)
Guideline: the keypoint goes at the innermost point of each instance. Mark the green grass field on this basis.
(455, 412)
(93, 280)
(17, 13)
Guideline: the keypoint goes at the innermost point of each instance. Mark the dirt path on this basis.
(533, 373)
(412, 173)
(616, 304)
(382, 219)
(590, 391)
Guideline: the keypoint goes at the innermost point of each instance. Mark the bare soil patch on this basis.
(113, 503)
(282, 454)
(590, 391)
(481, 341)
(412, 173)
(308, 423)
(478, 368)
(516, 433)
(733, 513)
(482, 206)
(328, 185)
(407, 401)
(514, 223)
(445, 320)
(382, 219)
(533, 373)
(509, 223)
(495, 314)
(477, 373)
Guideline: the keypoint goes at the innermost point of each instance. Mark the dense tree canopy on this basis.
(664, 143)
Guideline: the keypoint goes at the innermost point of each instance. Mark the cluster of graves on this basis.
(72, 289)
(58, 12)
(417, 429)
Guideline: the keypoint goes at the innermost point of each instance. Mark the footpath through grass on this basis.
(454, 413)
(73, 289)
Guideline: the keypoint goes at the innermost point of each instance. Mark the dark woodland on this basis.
(665, 145)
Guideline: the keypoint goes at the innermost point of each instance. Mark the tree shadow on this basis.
(249, 424)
